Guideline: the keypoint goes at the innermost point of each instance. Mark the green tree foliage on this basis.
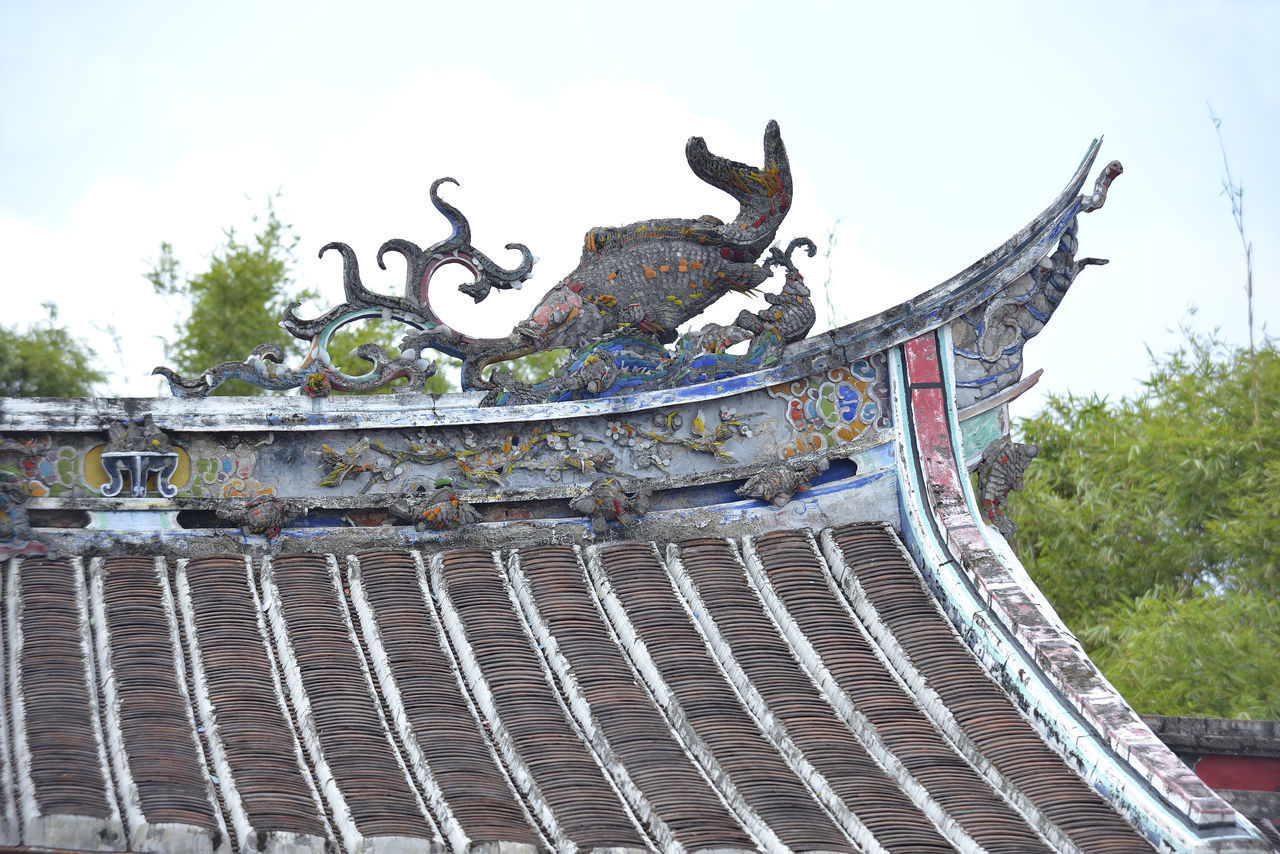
(1161, 514)
(46, 361)
(1206, 654)
(535, 366)
(236, 304)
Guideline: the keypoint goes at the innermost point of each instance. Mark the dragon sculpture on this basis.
(633, 287)
(649, 276)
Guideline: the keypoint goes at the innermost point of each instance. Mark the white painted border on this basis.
(144, 835)
(478, 687)
(282, 705)
(634, 649)
(180, 670)
(559, 674)
(448, 823)
(58, 831)
(288, 664)
(773, 730)
(204, 706)
(1056, 724)
(442, 638)
(87, 646)
(387, 843)
(848, 591)
(10, 829)
(25, 791)
(130, 804)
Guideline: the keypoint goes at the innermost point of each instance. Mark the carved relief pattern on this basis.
(778, 483)
(229, 474)
(835, 407)
(999, 473)
(15, 528)
(440, 510)
(141, 450)
(51, 473)
(488, 458)
(611, 499)
(263, 514)
(988, 341)
(819, 415)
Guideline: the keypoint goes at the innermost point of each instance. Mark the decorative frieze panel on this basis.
(15, 528)
(835, 413)
(834, 408)
(140, 450)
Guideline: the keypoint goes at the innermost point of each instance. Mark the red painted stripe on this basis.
(1249, 773)
(922, 360)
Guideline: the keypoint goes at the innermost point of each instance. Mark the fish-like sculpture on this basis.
(635, 284)
(647, 277)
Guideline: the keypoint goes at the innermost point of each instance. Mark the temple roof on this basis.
(666, 600)
(799, 689)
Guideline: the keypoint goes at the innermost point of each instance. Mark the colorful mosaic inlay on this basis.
(834, 407)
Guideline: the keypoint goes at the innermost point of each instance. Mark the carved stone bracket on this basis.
(440, 509)
(265, 514)
(140, 449)
(610, 499)
(999, 473)
(779, 483)
(139, 465)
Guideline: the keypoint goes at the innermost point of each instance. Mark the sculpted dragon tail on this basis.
(764, 195)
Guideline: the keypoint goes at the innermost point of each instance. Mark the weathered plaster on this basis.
(440, 814)
(57, 831)
(143, 834)
(309, 776)
(308, 735)
(429, 602)
(845, 586)
(249, 837)
(222, 841)
(1040, 701)
(9, 828)
(776, 733)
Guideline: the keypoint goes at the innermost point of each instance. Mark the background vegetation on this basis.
(45, 360)
(1153, 526)
(235, 305)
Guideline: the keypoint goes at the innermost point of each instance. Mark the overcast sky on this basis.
(932, 132)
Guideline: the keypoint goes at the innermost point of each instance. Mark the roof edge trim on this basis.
(980, 593)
